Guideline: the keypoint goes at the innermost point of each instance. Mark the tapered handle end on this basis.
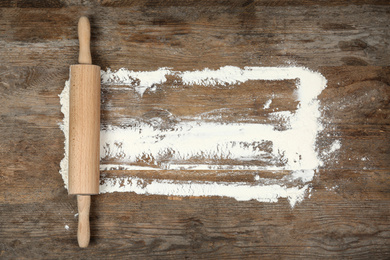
(83, 232)
(84, 31)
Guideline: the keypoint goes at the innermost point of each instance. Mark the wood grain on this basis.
(348, 213)
(84, 129)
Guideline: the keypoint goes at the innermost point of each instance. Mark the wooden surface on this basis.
(348, 213)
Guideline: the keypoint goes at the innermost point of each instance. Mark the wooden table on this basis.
(348, 212)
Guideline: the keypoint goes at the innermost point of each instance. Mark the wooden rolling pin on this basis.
(84, 131)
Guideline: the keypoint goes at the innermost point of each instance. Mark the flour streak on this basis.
(251, 146)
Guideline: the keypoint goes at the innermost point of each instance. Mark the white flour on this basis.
(293, 149)
(267, 104)
(336, 145)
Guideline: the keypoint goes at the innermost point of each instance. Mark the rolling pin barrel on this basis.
(84, 129)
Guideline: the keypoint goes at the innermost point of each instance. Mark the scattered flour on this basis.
(267, 104)
(331, 151)
(294, 148)
(139, 80)
(336, 145)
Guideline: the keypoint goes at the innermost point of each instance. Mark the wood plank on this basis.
(194, 38)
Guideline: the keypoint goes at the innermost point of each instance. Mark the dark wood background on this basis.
(348, 214)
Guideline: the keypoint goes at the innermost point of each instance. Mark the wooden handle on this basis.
(84, 30)
(83, 232)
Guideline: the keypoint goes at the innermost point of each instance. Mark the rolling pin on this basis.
(84, 131)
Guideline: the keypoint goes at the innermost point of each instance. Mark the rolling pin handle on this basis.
(84, 31)
(83, 231)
